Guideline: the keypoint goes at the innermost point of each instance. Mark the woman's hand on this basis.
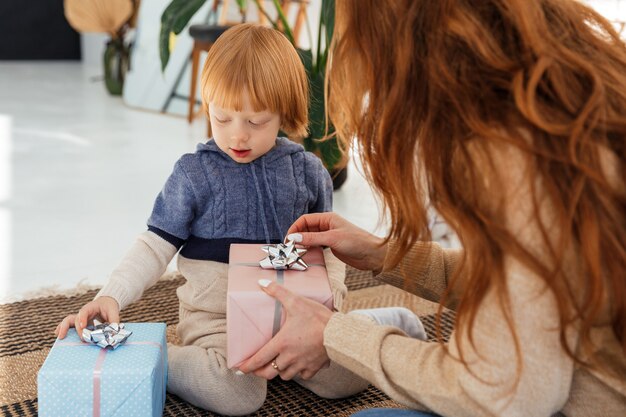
(349, 243)
(298, 348)
(105, 308)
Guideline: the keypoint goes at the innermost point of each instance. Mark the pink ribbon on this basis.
(97, 372)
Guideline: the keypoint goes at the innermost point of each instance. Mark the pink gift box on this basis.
(252, 316)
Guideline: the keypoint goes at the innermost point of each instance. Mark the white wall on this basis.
(92, 48)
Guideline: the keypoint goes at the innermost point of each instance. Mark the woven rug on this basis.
(27, 333)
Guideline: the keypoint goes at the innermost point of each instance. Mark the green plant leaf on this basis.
(328, 17)
(327, 150)
(185, 13)
(281, 16)
(174, 19)
(242, 5)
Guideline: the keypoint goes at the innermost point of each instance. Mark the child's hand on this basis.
(103, 307)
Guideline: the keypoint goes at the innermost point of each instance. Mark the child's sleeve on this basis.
(175, 206)
(321, 187)
(141, 267)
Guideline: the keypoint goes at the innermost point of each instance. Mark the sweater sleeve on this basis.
(175, 206)
(420, 374)
(140, 269)
(429, 267)
(336, 276)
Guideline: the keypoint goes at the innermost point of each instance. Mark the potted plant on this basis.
(321, 139)
(114, 17)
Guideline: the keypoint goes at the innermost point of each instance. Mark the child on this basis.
(243, 186)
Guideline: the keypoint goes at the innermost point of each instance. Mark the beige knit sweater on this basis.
(422, 375)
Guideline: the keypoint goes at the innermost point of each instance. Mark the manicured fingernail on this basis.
(296, 237)
(238, 372)
(264, 282)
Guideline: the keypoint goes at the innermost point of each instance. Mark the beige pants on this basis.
(197, 370)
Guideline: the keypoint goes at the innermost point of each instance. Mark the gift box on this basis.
(82, 379)
(252, 316)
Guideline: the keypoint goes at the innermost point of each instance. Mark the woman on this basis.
(509, 117)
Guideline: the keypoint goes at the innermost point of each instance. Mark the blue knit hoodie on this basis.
(210, 201)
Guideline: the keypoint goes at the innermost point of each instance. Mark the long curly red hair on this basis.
(417, 82)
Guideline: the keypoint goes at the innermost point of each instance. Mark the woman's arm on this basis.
(423, 374)
(425, 271)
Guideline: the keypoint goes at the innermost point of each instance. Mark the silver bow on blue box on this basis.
(106, 335)
(284, 256)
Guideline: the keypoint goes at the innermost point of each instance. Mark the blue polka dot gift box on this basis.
(83, 379)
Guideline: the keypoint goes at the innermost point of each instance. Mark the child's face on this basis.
(245, 135)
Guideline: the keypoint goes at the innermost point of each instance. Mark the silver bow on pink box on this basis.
(284, 256)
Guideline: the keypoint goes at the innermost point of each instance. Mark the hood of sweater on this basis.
(258, 169)
(282, 148)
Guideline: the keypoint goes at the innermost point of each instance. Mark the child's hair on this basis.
(262, 61)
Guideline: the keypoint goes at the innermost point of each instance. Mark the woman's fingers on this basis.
(348, 242)
(263, 357)
(289, 373)
(314, 239)
(266, 372)
(306, 320)
(278, 367)
(314, 222)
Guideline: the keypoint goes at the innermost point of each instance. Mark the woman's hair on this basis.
(262, 61)
(426, 87)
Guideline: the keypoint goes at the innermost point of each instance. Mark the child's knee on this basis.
(241, 399)
(206, 383)
(229, 398)
(334, 382)
(240, 402)
(248, 405)
(336, 392)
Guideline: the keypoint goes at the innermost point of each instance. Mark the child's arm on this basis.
(143, 265)
(140, 269)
